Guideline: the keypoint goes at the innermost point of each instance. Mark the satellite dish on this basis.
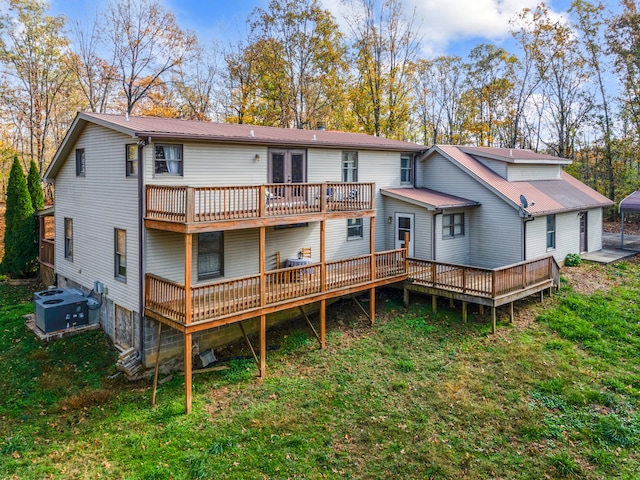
(523, 201)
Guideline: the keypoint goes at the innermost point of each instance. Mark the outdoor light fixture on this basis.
(389, 219)
(257, 157)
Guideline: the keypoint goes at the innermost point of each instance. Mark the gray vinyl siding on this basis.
(567, 234)
(104, 199)
(456, 249)
(495, 228)
(522, 172)
(594, 229)
(422, 226)
(496, 165)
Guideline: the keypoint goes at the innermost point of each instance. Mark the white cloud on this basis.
(442, 22)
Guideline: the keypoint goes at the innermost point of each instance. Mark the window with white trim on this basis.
(453, 225)
(68, 238)
(349, 166)
(210, 255)
(168, 159)
(406, 170)
(80, 163)
(120, 260)
(354, 228)
(551, 231)
(132, 160)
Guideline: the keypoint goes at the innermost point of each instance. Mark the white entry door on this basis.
(404, 224)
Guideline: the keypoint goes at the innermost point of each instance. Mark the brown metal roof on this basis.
(431, 199)
(223, 132)
(549, 196)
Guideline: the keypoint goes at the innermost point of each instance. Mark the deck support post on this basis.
(464, 311)
(434, 303)
(372, 305)
(405, 297)
(155, 373)
(246, 339)
(323, 324)
(493, 319)
(541, 296)
(451, 304)
(263, 345)
(511, 312)
(481, 309)
(188, 256)
(187, 371)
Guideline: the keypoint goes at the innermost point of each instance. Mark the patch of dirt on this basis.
(630, 227)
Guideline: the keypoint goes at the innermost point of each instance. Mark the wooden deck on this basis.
(193, 209)
(483, 286)
(223, 302)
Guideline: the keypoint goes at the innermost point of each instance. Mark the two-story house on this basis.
(193, 232)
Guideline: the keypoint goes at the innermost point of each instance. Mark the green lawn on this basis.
(415, 396)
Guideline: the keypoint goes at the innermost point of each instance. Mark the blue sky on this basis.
(447, 26)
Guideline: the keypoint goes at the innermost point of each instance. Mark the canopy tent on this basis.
(630, 204)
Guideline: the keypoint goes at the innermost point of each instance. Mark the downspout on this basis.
(433, 234)
(141, 197)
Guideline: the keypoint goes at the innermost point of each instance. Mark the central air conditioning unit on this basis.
(64, 310)
(47, 294)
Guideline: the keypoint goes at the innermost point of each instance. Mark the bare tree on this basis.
(147, 44)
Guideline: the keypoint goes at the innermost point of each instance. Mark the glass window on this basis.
(453, 225)
(349, 166)
(121, 254)
(80, 162)
(168, 159)
(354, 228)
(551, 231)
(406, 169)
(132, 160)
(210, 255)
(68, 238)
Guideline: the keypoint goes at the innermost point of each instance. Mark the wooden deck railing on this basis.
(47, 252)
(209, 204)
(482, 282)
(228, 297)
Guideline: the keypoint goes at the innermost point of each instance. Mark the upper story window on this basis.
(354, 228)
(453, 225)
(551, 231)
(210, 255)
(68, 238)
(168, 159)
(132, 160)
(80, 162)
(406, 169)
(120, 254)
(349, 166)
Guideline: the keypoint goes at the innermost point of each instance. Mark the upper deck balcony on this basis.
(193, 209)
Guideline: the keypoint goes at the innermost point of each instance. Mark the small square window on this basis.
(132, 160)
(354, 228)
(168, 159)
(453, 225)
(80, 162)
